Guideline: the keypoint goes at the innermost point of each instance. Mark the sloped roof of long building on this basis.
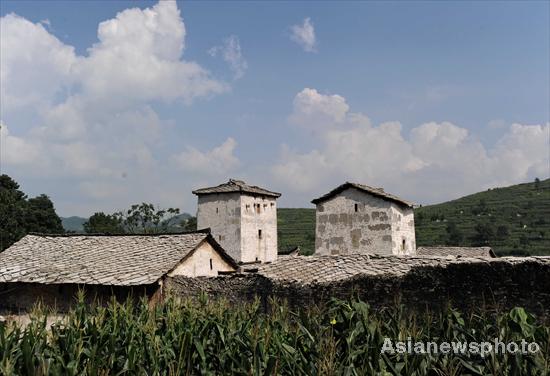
(233, 186)
(378, 192)
(456, 251)
(117, 260)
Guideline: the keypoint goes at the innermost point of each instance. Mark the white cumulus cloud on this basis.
(435, 162)
(90, 118)
(304, 35)
(218, 161)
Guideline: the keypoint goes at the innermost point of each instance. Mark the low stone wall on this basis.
(497, 284)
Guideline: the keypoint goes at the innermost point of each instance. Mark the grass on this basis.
(513, 220)
(212, 338)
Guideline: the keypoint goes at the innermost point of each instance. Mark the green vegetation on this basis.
(296, 227)
(514, 220)
(141, 218)
(20, 215)
(213, 338)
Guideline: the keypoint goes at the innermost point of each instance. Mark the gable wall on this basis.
(341, 230)
(198, 264)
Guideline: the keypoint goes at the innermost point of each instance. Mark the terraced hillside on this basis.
(513, 220)
(296, 227)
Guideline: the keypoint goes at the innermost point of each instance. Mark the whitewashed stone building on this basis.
(242, 218)
(355, 218)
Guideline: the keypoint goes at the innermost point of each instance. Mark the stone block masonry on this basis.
(418, 283)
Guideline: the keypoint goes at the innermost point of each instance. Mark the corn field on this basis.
(204, 337)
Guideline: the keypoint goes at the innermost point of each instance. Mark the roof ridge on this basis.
(68, 235)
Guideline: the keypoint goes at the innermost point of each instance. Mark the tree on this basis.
(537, 184)
(144, 218)
(101, 223)
(12, 209)
(502, 232)
(19, 215)
(189, 224)
(484, 233)
(454, 235)
(41, 216)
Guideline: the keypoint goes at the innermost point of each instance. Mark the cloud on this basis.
(218, 161)
(312, 109)
(231, 53)
(36, 66)
(304, 35)
(90, 118)
(436, 162)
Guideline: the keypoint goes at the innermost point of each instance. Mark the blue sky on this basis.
(431, 100)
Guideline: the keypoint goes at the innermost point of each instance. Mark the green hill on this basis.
(296, 227)
(73, 224)
(513, 220)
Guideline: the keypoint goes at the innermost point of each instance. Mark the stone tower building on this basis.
(242, 219)
(355, 218)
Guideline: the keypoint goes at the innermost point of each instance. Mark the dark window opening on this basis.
(256, 259)
(356, 208)
(211, 264)
(219, 238)
(403, 245)
(216, 210)
(258, 208)
(260, 234)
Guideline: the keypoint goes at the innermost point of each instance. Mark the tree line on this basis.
(20, 215)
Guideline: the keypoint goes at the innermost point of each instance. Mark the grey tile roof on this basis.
(325, 269)
(456, 251)
(379, 192)
(234, 185)
(122, 260)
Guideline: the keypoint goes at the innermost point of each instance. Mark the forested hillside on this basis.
(513, 220)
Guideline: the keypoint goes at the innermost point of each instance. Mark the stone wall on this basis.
(403, 235)
(236, 221)
(258, 214)
(222, 214)
(353, 221)
(496, 285)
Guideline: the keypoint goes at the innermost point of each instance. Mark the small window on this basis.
(403, 245)
(258, 208)
(256, 259)
(247, 207)
(272, 204)
(211, 264)
(265, 206)
(219, 238)
(356, 208)
(260, 234)
(217, 211)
